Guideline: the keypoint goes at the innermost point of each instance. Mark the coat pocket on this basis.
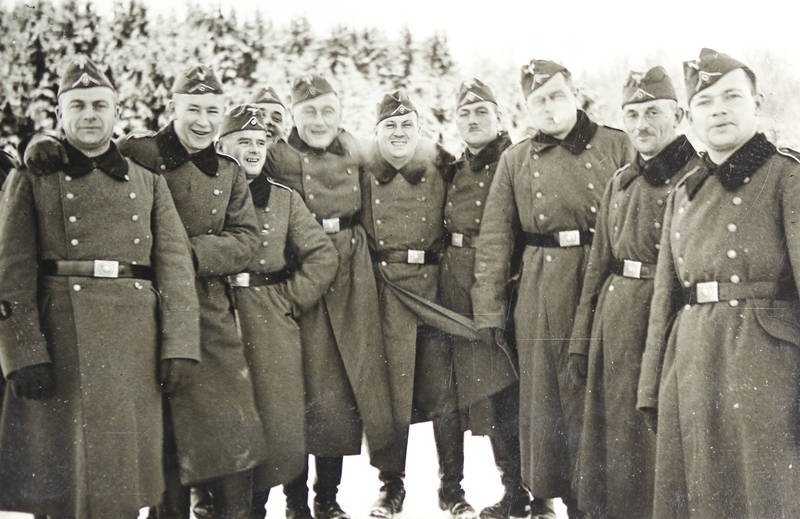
(780, 319)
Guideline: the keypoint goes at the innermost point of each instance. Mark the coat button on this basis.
(734, 302)
(355, 189)
(137, 241)
(69, 196)
(210, 231)
(74, 242)
(657, 225)
(536, 174)
(377, 183)
(424, 219)
(535, 156)
(450, 204)
(658, 246)
(737, 200)
(746, 180)
(377, 201)
(383, 263)
(590, 186)
(610, 288)
(677, 235)
(477, 220)
(380, 242)
(378, 222)
(548, 258)
(126, 177)
(588, 165)
(135, 217)
(589, 146)
(214, 211)
(539, 194)
(680, 260)
(687, 307)
(137, 285)
(731, 253)
(217, 192)
(264, 243)
(349, 171)
(659, 202)
(478, 203)
(480, 184)
(592, 209)
(542, 217)
(266, 226)
(681, 210)
(735, 279)
(687, 283)
(732, 227)
(308, 177)
(486, 167)
(423, 179)
(76, 287)
(162, 167)
(132, 196)
(422, 199)
(311, 196)
(262, 261)
(72, 219)
(266, 209)
(67, 178)
(305, 159)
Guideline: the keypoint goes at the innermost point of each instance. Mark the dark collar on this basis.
(663, 166)
(576, 140)
(260, 188)
(737, 170)
(111, 162)
(175, 155)
(413, 171)
(488, 155)
(300, 145)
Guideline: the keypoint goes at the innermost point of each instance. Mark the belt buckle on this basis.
(707, 292)
(106, 269)
(632, 269)
(330, 225)
(242, 279)
(569, 238)
(416, 256)
(457, 239)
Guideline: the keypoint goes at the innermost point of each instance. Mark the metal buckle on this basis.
(569, 238)
(416, 256)
(106, 269)
(241, 279)
(457, 239)
(707, 292)
(330, 225)
(632, 269)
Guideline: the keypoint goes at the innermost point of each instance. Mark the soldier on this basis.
(479, 371)
(7, 163)
(617, 452)
(97, 298)
(345, 375)
(722, 363)
(545, 195)
(403, 191)
(293, 267)
(214, 435)
(273, 112)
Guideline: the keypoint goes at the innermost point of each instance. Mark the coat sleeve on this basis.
(597, 270)
(666, 292)
(790, 205)
(315, 253)
(231, 250)
(174, 276)
(22, 342)
(494, 248)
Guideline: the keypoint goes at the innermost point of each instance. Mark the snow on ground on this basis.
(360, 480)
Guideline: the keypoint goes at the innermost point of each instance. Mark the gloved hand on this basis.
(33, 382)
(45, 154)
(578, 367)
(175, 374)
(491, 336)
(650, 415)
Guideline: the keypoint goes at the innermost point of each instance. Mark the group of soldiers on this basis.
(186, 316)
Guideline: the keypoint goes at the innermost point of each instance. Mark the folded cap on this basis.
(394, 104)
(267, 95)
(198, 79)
(538, 72)
(81, 72)
(653, 84)
(709, 68)
(474, 91)
(310, 86)
(241, 118)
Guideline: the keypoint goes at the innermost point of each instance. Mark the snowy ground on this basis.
(360, 481)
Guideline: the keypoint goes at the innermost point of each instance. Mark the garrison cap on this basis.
(310, 86)
(649, 86)
(474, 91)
(709, 68)
(81, 72)
(241, 118)
(537, 72)
(267, 95)
(394, 104)
(198, 79)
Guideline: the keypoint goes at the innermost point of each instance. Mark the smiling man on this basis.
(617, 452)
(99, 309)
(273, 112)
(544, 197)
(722, 360)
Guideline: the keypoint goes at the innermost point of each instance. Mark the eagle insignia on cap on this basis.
(253, 121)
(253, 110)
(641, 94)
(402, 110)
(84, 80)
(472, 97)
(201, 74)
(202, 87)
(540, 78)
(705, 77)
(312, 91)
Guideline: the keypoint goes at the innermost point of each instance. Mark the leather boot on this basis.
(202, 502)
(233, 495)
(329, 476)
(542, 508)
(391, 496)
(449, 438)
(258, 506)
(296, 492)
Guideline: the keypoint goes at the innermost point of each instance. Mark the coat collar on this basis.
(412, 172)
(260, 189)
(576, 140)
(300, 145)
(488, 155)
(737, 170)
(175, 155)
(111, 162)
(663, 166)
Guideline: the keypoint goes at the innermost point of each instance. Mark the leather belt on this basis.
(334, 225)
(410, 256)
(457, 239)
(572, 238)
(110, 269)
(259, 279)
(713, 292)
(633, 269)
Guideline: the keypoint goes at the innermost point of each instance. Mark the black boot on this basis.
(542, 508)
(202, 502)
(449, 438)
(258, 506)
(572, 508)
(233, 495)
(391, 496)
(296, 493)
(329, 476)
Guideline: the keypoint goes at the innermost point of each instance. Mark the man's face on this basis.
(724, 115)
(398, 136)
(87, 117)
(651, 125)
(273, 115)
(249, 147)
(477, 123)
(318, 120)
(197, 119)
(553, 107)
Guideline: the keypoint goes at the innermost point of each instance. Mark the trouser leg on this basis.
(329, 476)
(233, 495)
(449, 438)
